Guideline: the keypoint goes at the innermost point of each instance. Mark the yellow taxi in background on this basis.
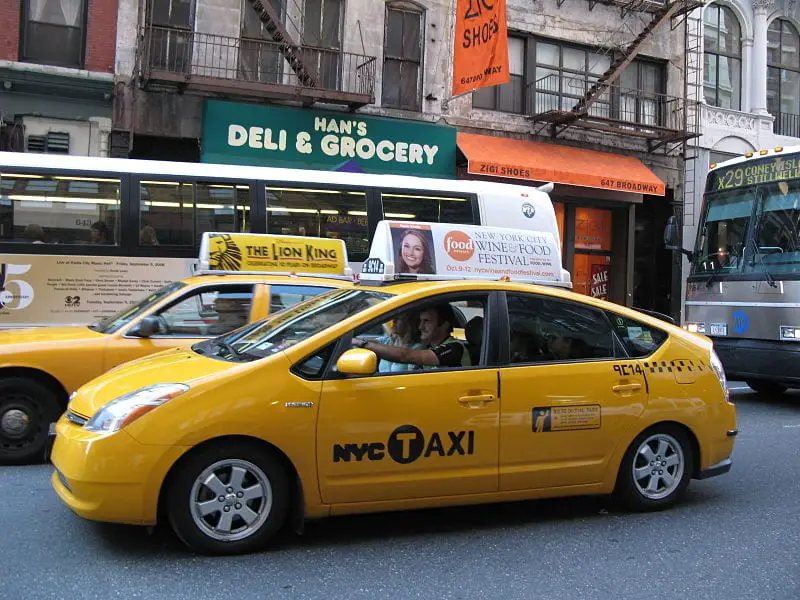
(40, 367)
(337, 406)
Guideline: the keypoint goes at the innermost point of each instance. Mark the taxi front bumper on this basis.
(109, 477)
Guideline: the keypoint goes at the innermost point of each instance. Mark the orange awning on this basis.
(537, 161)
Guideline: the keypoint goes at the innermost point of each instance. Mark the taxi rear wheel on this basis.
(27, 408)
(228, 499)
(656, 469)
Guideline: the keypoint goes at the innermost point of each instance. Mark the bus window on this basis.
(168, 210)
(429, 208)
(721, 243)
(221, 207)
(321, 213)
(59, 209)
(778, 229)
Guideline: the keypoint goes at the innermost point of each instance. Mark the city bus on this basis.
(743, 290)
(81, 238)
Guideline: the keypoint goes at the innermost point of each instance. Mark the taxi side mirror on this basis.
(145, 328)
(357, 362)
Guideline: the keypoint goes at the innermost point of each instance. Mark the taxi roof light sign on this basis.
(267, 254)
(441, 251)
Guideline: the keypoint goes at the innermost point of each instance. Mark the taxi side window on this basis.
(640, 340)
(408, 328)
(549, 330)
(313, 367)
(209, 311)
(284, 296)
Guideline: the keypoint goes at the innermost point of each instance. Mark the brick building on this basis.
(57, 62)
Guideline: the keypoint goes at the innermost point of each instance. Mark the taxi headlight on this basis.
(126, 409)
(716, 366)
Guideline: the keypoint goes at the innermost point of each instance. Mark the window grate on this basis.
(58, 142)
(37, 143)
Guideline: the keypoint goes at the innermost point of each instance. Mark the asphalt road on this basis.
(735, 536)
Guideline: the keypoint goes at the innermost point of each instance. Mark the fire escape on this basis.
(558, 102)
(276, 63)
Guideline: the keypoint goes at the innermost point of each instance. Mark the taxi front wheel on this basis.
(656, 469)
(228, 499)
(27, 408)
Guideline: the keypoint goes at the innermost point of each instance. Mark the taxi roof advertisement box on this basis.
(278, 136)
(287, 254)
(444, 251)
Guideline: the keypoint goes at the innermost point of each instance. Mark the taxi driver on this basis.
(435, 327)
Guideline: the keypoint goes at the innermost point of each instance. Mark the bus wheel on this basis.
(769, 388)
(656, 469)
(228, 499)
(26, 410)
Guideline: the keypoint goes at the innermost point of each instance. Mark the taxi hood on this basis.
(180, 365)
(46, 335)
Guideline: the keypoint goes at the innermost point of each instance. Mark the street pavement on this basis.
(734, 537)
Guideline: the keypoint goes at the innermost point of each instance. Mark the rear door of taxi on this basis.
(414, 434)
(568, 391)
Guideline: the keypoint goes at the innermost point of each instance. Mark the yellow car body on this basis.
(351, 443)
(40, 367)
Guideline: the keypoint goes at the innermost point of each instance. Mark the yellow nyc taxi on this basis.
(455, 384)
(40, 367)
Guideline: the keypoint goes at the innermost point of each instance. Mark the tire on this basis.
(766, 387)
(213, 519)
(27, 407)
(640, 469)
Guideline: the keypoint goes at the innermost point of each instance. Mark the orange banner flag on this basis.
(480, 53)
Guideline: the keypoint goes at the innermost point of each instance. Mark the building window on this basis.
(322, 29)
(783, 77)
(641, 93)
(260, 58)
(563, 73)
(53, 32)
(170, 43)
(402, 56)
(508, 97)
(722, 68)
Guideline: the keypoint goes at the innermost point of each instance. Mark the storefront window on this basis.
(593, 229)
(559, 209)
(337, 214)
(592, 265)
(591, 275)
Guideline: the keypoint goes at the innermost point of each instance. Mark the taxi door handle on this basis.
(626, 387)
(476, 401)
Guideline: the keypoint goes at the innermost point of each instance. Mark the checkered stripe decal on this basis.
(679, 366)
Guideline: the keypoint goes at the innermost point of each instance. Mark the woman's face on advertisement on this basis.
(413, 251)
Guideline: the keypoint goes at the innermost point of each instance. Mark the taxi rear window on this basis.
(639, 339)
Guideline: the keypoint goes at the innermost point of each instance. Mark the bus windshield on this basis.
(722, 239)
(292, 325)
(114, 322)
(776, 235)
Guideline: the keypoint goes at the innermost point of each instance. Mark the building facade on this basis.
(57, 62)
(751, 91)
(597, 103)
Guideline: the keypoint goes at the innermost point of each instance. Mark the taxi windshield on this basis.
(292, 325)
(114, 322)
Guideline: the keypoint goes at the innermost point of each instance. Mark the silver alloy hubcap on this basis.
(15, 422)
(230, 500)
(658, 466)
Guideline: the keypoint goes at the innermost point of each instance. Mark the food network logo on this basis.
(458, 245)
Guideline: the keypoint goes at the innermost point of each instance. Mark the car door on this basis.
(568, 392)
(414, 433)
(200, 313)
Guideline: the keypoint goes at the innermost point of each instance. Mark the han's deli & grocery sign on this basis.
(246, 134)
